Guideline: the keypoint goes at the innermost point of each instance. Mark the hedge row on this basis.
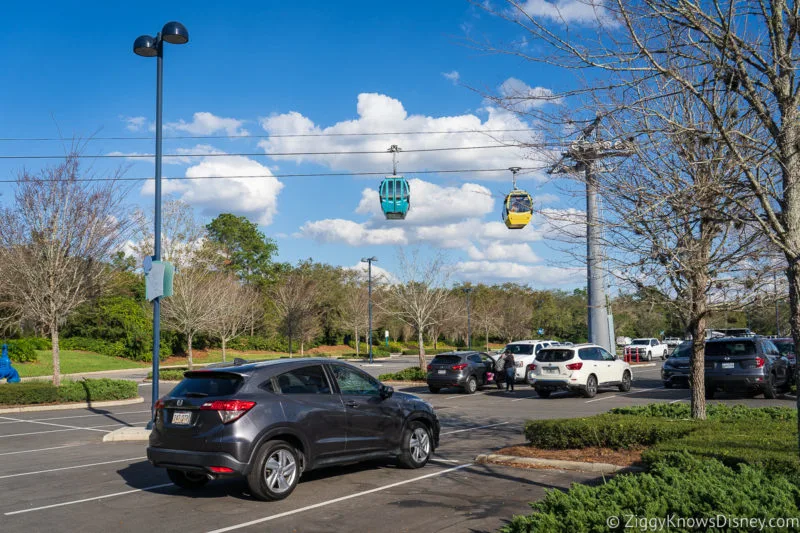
(717, 411)
(682, 486)
(92, 390)
(608, 431)
(22, 350)
(407, 374)
(120, 348)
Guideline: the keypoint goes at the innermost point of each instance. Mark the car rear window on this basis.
(731, 348)
(785, 346)
(520, 349)
(554, 356)
(212, 384)
(683, 350)
(446, 360)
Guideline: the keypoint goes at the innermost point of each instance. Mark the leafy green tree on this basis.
(238, 246)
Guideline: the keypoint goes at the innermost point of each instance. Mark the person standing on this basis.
(511, 370)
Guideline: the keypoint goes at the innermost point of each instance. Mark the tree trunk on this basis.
(223, 350)
(189, 343)
(302, 347)
(356, 333)
(793, 275)
(422, 363)
(56, 355)
(487, 339)
(697, 358)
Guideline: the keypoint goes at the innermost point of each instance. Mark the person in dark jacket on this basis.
(511, 369)
(500, 371)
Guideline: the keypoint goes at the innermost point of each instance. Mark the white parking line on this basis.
(153, 487)
(18, 420)
(72, 467)
(90, 428)
(337, 500)
(40, 449)
(680, 400)
(465, 395)
(476, 427)
(44, 423)
(626, 394)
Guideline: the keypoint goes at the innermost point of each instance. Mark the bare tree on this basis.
(55, 242)
(195, 305)
(418, 295)
(295, 298)
(355, 305)
(487, 312)
(237, 306)
(182, 235)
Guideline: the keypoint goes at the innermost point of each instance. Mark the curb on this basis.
(642, 365)
(65, 406)
(128, 434)
(600, 468)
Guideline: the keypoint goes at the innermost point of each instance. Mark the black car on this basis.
(273, 421)
(745, 364)
(675, 370)
(466, 370)
(786, 347)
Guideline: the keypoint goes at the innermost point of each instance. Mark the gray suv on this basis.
(466, 370)
(272, 421)
(748, 364)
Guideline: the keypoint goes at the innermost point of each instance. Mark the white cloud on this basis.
(521, 97)
(186, 155)
(134, 123)
(565, 11)
(255, 198)
(490, 271)
(351, 233)
(545, 198)
(453, 76)
(381, 113)
(494, 251)
(379, 275)
(205, 123)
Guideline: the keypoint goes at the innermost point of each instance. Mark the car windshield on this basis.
(730, 348)
(520, 349)
(641, 341)
(785, 347)
(554, 356)
(446, 360)
(211, 385)
(682, 350)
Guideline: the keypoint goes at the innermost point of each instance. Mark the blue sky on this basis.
(256, 69)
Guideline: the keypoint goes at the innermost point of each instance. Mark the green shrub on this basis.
(717, 411)
(22, 350)
(270, 344)
(395, 347)
(684, 487)
(121, 348)
(169, 374)
(94, 390)
(38, 343)
(608, 431)
(407, 374)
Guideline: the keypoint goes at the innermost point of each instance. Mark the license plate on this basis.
(728, 365)
(182, 418)
(443, 371)
(550, 370)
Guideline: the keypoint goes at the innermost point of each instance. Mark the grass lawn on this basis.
(73, 362)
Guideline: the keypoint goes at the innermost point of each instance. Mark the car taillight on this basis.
(760, 362)
(157, 408)
(221, 469)
(228, 410)
(574, 366)
(461, 366)
(430, 367)
(531, 367)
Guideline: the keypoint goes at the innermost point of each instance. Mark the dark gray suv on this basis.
(272, 421)
(466, 370)
(749, 364)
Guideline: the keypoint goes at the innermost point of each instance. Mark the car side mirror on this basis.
(386, 391)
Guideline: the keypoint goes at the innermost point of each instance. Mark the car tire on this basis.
(591, 387)
(434, 390)
(769, 387)
(649, 357)
(471, 386)
(417, 446)
(187, 480)
(543, 393)
(625, 386)
(667, 384)
(710, 392)
(275, 472)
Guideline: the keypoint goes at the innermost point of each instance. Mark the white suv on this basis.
(524, 353)
(583, 367)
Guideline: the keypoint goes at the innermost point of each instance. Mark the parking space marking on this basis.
(337, 500)
(465, 395)
(680, 400)
(72, 467)
(40, 449)
(476, 427)
(626, 394)
(18, 420)
(46, 423)
(94, 498)
(90, 428)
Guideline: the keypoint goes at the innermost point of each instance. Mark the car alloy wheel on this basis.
(280, 471)
(417, 446)
(472, 385)
(591, 387)
(420, 445)
(625, 386)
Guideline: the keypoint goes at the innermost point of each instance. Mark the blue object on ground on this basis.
(7, 372)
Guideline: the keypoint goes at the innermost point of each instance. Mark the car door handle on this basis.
(351, 403)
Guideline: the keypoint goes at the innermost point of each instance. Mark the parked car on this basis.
(524, 353)
(623, 341)
(645, 350)
(584, 368)
(745, 364)
(786, 347)
(675, 370)
(273, 421)
(466, 370)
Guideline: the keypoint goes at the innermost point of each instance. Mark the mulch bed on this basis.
(586, 455)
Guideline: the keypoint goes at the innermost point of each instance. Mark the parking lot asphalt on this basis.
(57, 475)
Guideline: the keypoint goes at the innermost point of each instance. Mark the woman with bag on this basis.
(511, 370)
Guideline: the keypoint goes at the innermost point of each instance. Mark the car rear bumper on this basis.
(447, 381)
(675, 376)
(554, 384)
(193, 461)
(734, 381)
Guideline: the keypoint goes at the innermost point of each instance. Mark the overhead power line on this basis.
(309, 175)
(267, 136)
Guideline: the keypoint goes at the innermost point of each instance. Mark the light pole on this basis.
(369, 261)
(467, 291)
(147, 46)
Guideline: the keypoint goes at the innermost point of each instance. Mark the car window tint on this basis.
(208, 385)
(306, 380)
(352, 381)
(267, 386)
(446, 360)
(587, 354)
(520, 349)
(553, 355)
(731, 348)
(475, 358)
(770, 348)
